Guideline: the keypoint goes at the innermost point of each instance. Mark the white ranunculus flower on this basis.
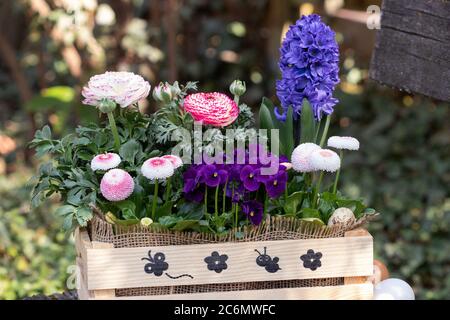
(124, 88)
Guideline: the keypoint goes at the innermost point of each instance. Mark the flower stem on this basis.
(155, 198)
(216, 202)
(168, 189)
(236, 99)
(341, 153)
(317, 189)
(236, 216)
(206, 200)
(114, 131)
(325, 131)
(316, 135)
(232, 198)
(224, 196)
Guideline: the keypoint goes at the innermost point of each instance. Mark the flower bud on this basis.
(163, 93)
(146, 222)
(238, 88)
(106, 106)
(175, 89)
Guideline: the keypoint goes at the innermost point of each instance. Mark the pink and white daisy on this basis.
(175, 160)
(215, 108)
(301, 157)
(116, 185)
(325, 160)
(157, 168)
(105, 161)
(124, 88)
(343, 143)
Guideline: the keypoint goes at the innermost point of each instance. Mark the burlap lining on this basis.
(273, 228)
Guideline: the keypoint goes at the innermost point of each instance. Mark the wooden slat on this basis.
(106, 293)
(123, 267)
(348, 292)
(356, 233)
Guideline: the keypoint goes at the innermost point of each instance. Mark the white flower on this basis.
(124, 88)
(346, 143)
(175, 160)
(146, 222)
(325, 160)
(105, 161)
(301, 157)
(157, 168)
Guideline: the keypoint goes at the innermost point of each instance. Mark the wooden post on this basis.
(412, 50)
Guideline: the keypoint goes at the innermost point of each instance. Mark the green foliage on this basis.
(35, 254)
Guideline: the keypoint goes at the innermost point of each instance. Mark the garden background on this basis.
(50, 48)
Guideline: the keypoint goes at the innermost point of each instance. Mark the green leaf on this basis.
(314, 221)
(265, 116)
(185, 224)
(65, 210)
(127, 208)
(308, 213)
(287, 134)
(164, 210)
(308, 123)
(169, 221)
(129, 150)
(292, 203)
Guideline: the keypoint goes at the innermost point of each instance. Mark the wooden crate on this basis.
(103, 268)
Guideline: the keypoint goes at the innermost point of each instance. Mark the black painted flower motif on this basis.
(217, 262)
(156, 264)
(311, 260)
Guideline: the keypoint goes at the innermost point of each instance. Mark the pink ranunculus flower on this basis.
(116, 185)
(124, 88)
(105, 161)
(157, 168)
(175, 160)
(215, 108)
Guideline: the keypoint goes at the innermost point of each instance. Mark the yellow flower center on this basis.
(275, 183)
(215, 174)
(252, 213)
(251, 175)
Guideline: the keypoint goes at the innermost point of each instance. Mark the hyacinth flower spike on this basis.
(107, 90)
(323, 160)
(156, 169)
(342, 143)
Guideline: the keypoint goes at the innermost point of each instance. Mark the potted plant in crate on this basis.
(190, 200)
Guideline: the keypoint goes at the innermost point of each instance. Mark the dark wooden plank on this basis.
(412, 50)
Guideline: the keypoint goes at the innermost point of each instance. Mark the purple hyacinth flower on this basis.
(276, 184)
(309, 64)
(213, 176)
(249, 177)
(254, 211)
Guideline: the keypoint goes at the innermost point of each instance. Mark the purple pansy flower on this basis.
(309, 64)
(276, 184)
(213, 176)
(195, 195)
(249, 177)
(254, 211)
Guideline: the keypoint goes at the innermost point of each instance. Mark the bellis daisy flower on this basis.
(342, 143)
(301, 155)
(325, 160)
(105, 161)
(215, 108)
(175, 160)
(157, 169)
(116, 185)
